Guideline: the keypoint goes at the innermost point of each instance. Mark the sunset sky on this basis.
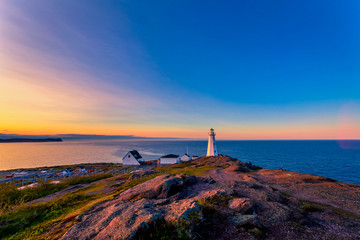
(250, 69)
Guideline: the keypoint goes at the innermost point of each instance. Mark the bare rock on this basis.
(237, 167)
(211, 180)
(189, 180)
(160, 187)
(285, 205)
(210, 194)
(181, 210)
(242, 220)
(79, 218)
(148, 173)
(117, 221)
(139, 174)
(242, 205)
(134, 175)
(169, 187)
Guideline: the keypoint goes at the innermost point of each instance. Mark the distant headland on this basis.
(15, 140)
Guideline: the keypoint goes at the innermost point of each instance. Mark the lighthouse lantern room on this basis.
(211, 150)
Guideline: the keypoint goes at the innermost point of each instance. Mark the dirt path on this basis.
(59, 193)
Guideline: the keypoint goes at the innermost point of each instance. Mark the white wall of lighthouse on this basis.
(212, 150)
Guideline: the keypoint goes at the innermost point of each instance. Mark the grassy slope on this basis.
(51, 219)
(96, 166)
(17, 215)
(10, 196)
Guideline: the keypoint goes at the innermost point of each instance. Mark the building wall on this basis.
(185, 158)
(130, 160)
(169, 160)
(211, 150)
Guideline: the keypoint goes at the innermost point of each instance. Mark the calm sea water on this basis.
(337, 160)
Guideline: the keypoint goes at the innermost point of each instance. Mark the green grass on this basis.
(10, 196)
(188, 168)
(216, 201)
(51, 219)
(122, 177)
(310, 207)
(14, 223)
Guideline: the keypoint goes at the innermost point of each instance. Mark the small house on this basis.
(66, 172)
(133, 158)
(186, 157)
(194, 157)
(80, 170)
(170, 159)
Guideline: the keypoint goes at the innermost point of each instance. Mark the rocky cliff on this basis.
(224, 198)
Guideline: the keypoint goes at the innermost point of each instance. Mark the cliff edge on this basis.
(224, 198)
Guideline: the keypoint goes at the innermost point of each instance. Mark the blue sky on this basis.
(250, 69)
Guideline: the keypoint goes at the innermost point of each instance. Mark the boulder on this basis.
(117, 221)
(189, 180)
(162, 186)
(79, 218)
(211, 180)
(169, 187)
(242, 205)
(134, 175)
(148, 173)
(242, 220)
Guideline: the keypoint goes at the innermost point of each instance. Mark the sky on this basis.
(249, 69)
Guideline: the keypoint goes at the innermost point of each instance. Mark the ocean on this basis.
(339, 160)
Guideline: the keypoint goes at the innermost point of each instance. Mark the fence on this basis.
(34, 177)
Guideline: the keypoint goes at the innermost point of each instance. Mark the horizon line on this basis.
(73, 136)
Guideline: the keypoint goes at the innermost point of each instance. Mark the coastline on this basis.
(104, 166)
(215, 197)
(324, 158)
(20, 140)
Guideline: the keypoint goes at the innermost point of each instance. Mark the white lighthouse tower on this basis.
(211, 150)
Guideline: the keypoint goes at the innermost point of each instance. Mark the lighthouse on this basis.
(211, 150)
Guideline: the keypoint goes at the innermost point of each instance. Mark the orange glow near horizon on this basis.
(26, 109)
(265, 133)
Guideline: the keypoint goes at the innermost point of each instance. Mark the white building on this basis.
(170, 159)
(211, 150)
(133, 158)
(186, 157)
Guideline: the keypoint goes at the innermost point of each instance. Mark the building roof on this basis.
(170, 156)
(186, 155)
(136, 154)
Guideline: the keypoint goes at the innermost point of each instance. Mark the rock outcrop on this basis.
(242, 205)
(233, 200)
